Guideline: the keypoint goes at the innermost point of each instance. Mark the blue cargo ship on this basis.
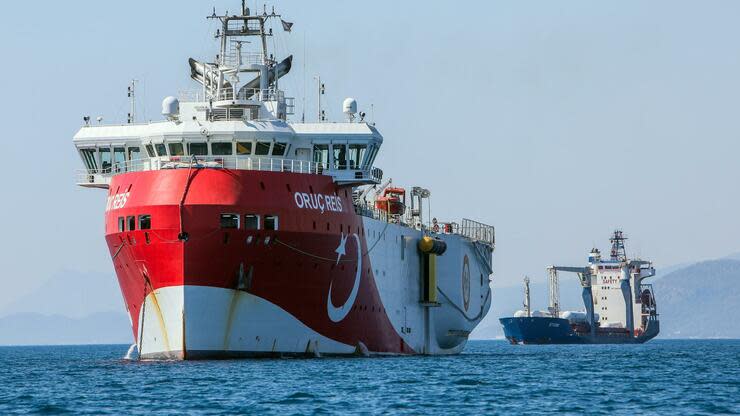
(619, 307)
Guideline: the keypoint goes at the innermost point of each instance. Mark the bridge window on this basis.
(145, 222)
(371, 157)
(271, 222)
(150, 151)
(176, 149)
(252, 222)
(198, 149)
(321, 154)
(134, 153)
(88, 156)
(121, 224)
(230, 221)
(340, 156)
(356, 155)
(279, 149)
(244, 148)
(222, 149)
(105, 160)
(119, 159)
(161, 150)
(262, 149)
(131, 221)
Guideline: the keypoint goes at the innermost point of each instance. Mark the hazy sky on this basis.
(553, 121)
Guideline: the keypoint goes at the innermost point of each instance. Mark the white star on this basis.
(341, 250)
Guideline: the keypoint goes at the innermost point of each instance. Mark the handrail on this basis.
(102, 175)
(269, 164)
(470, 229)
(225, 94)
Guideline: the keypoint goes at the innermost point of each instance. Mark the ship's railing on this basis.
(101, 177)
(227, 94)
(478, 231)
(473, 230)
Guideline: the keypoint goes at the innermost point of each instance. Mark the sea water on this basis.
(491, 377)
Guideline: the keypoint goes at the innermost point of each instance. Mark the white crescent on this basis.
(337, 314)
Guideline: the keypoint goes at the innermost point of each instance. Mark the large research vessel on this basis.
(235, 232)
(619, 307)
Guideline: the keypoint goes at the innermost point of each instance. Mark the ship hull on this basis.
(326, 281)
(548, 330)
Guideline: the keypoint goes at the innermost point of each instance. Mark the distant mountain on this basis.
(38, 329)
(72, 294)
(701, 300)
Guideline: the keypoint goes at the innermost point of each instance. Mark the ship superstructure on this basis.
(237, 232)
(619, 306)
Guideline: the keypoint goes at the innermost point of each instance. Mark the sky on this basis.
(556, 122)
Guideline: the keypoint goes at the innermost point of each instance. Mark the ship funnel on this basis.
(273, 74)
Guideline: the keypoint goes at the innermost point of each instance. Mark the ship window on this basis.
(356, 155)
(131, 221)
(150, 151)
(244, 148)
(262, 149)
(371, 156)
(176, 149)
(321, 154)
(161, 150)
(340, 156)
(105, 160)
(119, 159)
(121, 224)
(252, 222)
(279, 149)
(271, 222)
(88, 156)
(145, 222)
(198, 149)
(134, 153)
(222, 149)
(230, 221)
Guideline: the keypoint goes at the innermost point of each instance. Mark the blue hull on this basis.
(543, 330)
(539, 331)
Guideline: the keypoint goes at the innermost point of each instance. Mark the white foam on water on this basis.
(132, 353)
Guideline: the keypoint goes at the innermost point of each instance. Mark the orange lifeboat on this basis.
(393, 201)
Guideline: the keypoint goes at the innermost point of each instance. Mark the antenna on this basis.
(132, 99)
(322, 91)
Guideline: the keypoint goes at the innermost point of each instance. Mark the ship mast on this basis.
(221, 80)
(618, 252)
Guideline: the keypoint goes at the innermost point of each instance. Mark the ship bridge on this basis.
(237, 119)
(345, 151)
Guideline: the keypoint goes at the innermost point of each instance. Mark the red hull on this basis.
(292, 268)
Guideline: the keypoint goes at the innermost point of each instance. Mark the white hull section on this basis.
(218, 323)
(439, 329)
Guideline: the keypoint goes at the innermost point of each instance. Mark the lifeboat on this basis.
(392, 201)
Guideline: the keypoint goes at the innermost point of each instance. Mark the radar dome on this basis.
(350, 106)
(171, 107)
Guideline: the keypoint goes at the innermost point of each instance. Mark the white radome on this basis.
(349, 106)
(170, 107)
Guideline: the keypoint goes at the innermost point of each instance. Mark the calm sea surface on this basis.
(661, 377)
